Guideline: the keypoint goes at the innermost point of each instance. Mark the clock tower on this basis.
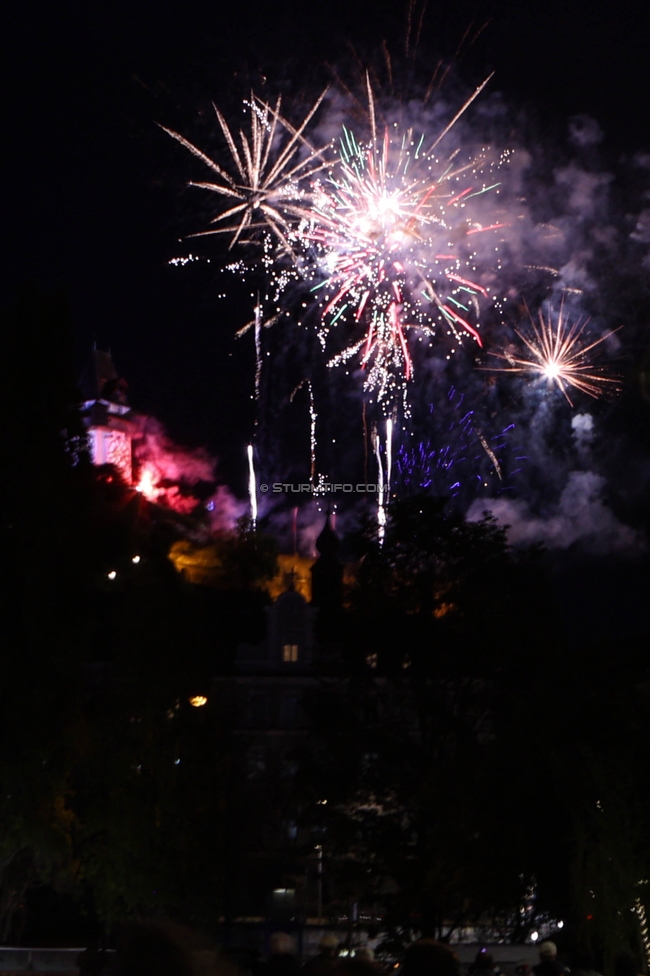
(106, 414)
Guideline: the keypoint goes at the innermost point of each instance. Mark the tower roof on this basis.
(328, 542)
(100, 379)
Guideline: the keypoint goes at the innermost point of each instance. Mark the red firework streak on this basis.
(481, 230)
(465, 281)
(465, 325)
(460, 196)
(362, 304)
(346, 288)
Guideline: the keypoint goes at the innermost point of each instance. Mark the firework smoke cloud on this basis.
(181, 479)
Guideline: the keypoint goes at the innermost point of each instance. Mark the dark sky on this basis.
(94, 189)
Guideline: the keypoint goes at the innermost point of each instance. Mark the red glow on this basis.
(170, 476)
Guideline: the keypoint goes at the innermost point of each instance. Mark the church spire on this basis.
(327, 578)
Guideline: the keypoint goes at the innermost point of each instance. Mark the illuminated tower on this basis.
(106, 413)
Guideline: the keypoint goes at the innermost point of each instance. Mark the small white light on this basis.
(560, 924)
(136, 560)
(112, 574)
(534, 936)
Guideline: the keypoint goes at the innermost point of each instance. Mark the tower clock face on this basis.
(112, 447)
(118, 452)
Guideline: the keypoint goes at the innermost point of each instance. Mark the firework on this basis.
(383, 487)
(389, 245)
(463, 458)
(313, 417)
(263, 185)
(252, 486)
(383, 230)
(559, 352)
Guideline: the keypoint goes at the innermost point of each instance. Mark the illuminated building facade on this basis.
(107, 415)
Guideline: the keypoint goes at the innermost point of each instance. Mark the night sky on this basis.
(95, 191)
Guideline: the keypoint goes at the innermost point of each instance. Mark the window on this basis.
(289, 652)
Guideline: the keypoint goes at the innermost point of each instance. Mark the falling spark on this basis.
(382, 480)
(252, 486)
(492, 456)
(258, 350)
(389, 452)
(462, 110)
(313, 417)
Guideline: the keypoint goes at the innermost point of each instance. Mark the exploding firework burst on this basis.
(265, 184)
(559, 353)
(389, 245)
